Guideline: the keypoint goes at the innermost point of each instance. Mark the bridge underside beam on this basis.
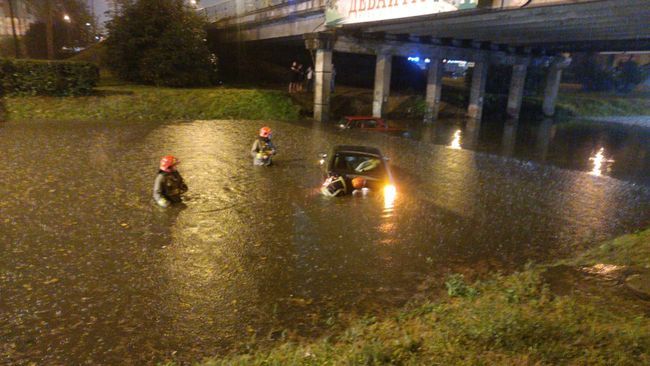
(405, 49)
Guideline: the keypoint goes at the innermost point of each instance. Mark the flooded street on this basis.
(91, 272)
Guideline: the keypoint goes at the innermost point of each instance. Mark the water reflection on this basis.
(509, 138)
(545, 134)
(568, 144)
(599, 162)
(390, 192)
(455, 142)
(472, 130)
(258, 251)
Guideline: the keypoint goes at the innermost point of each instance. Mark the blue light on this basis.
(427, 60)
(413, 59)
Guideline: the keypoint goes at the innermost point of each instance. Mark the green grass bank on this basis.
(517, 319)
(136, 102)
(570, 104)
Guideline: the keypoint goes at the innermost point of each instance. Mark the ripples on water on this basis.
(92, 272)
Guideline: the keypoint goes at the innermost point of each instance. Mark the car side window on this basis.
(371, 123)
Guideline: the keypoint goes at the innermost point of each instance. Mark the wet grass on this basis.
(513, 319)
(632, 250)
(134, 102)
(586, 104)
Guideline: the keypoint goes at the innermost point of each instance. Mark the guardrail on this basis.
(235, 8)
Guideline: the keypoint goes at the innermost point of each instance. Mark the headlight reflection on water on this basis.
(455, 143)
(598, 161)
(389, 196)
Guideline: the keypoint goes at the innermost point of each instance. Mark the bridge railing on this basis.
(234, 8)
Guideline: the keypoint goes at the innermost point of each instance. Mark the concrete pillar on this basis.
(434, 90)
(516, 94)
(382, 84)
(323, 77)
(553, 77)
(477, 92)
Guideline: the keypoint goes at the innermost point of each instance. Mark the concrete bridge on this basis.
(519, 33)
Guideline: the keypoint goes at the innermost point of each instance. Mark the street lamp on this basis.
(66, 17)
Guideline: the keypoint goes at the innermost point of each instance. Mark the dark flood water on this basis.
(93, 273)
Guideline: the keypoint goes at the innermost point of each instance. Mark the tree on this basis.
(160, 42)
(13, 28)
(50, 13)
(44, 12)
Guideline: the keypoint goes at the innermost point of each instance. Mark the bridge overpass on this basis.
(519, 33)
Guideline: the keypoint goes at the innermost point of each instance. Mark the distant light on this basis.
(460, 63)
(414, 59)
(193, 2)
(427, 60)
(88, 24)
(66, 17)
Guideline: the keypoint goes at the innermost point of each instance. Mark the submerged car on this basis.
(369, 123)
(360, 161)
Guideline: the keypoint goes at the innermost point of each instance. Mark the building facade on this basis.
(22, 18)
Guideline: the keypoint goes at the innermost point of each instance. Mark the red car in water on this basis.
(368, 123)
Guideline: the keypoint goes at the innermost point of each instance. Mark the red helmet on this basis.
(167, 162)
(265, 131)
(358, 182)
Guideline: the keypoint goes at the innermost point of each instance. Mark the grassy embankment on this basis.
(115, 100)
(570, 104)
(136, 102)
(516, 319)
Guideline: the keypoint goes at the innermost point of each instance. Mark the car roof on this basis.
(354, 118)
(357, 149)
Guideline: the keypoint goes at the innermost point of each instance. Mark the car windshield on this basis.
(360, 164)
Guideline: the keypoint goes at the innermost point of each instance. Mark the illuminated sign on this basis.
(359, 11)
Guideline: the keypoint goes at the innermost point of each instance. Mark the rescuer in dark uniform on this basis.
(169, 185)
(263, 148)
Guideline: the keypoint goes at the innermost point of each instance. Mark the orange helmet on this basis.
(358, 182)
(167, 162)
(265, 131)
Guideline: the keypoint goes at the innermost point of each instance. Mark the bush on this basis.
(54, 78)
(160, 42)
(7, 46)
